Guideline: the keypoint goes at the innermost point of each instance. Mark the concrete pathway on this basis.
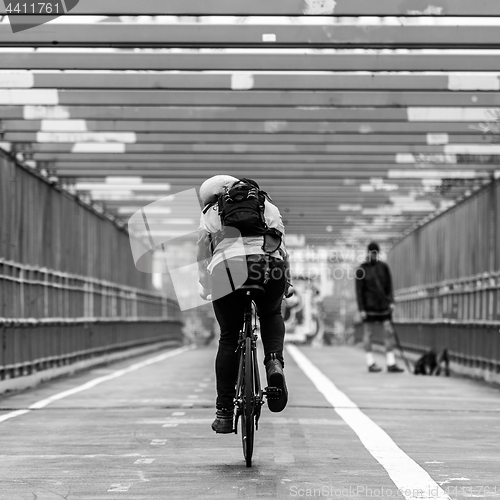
(145, 434)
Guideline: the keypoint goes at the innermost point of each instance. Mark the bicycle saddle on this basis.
(255, 290)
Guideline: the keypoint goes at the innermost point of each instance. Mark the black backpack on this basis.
(242, 207)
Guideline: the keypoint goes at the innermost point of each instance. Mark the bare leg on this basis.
(367, 340)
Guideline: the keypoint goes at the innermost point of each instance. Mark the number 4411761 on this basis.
(34, 8)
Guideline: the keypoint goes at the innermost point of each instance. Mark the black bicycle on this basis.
(249, 394)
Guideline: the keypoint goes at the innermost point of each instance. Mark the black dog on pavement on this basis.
(430, 363)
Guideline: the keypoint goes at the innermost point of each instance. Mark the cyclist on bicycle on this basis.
(218, 257)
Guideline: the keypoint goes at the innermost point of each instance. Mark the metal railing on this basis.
(34, 292)
(29, 345)
(472, 299)
(470, 344)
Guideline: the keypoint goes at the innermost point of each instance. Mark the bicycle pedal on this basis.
(273, 392)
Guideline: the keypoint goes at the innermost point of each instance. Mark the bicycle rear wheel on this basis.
(248, 414)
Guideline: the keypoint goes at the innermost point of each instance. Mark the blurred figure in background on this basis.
(375, 298)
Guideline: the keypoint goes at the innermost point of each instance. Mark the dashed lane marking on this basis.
(158, 442)
(144, 461)
(92, 383)
(120, 487)
(170, 425)
(178, 413)
(412, 481)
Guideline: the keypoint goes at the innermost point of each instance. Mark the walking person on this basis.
(230, 204)
(375, 299)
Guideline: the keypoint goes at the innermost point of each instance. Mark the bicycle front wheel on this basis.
(248, 413)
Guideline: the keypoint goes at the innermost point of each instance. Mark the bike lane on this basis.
(448, 426)
(146, 435)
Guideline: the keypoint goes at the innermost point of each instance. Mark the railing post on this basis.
(21, 293)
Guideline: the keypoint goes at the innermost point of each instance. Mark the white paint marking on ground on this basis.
(92, 383)
(120, 487)
(192, 397)
(187, 405)
(413, 481)
(158, 442)
(454, 479)
(178, 413)
(144, 461)
(170, 425)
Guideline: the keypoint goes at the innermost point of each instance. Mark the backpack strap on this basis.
(208, 206)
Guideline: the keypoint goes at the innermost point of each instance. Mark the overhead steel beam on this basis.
(268, 169)
(264, 152)
(246, 139)
(238, 35)
(198, 113)
(249, 158)
(265, 101)
(269, 61)
(11, 121)
(273, 119)
(255, 81)
(310, 185)
(338, 175)
(281, 8)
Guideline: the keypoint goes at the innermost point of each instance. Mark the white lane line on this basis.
(92, 383)
(412, 481)
(178, 413)
(170, 425)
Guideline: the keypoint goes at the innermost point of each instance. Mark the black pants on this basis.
(229, 312)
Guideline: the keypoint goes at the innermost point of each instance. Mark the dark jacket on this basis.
(370, 295)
